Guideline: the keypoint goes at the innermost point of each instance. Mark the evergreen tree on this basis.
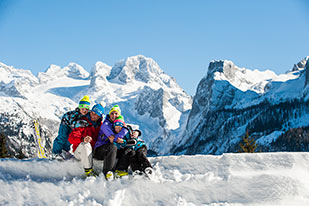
(3, 149)
(248, 145)
(20, 154)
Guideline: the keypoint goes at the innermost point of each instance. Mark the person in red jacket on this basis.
(84, 136)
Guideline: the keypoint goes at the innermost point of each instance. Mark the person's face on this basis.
(94, 117)
(118, 129)
(83, 111)
(113, 115)
(135, 134)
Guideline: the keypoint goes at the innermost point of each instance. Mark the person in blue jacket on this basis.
(67, 124)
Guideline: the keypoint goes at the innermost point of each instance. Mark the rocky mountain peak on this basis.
(9, 73)
(16, 82)
(72, 70)
(301, 64)
(100, 68)
(98, 75)
(220, 66)
(139, 68)
(75, 71)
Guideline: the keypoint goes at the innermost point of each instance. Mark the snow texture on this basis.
(225, 180)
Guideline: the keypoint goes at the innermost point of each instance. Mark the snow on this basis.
(290, 89)
(240, 88)
(229, 179)
(244, 79)
(257, 81)
(172, 115)
(267, 139)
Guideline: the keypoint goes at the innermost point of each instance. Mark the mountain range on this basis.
(228, 102)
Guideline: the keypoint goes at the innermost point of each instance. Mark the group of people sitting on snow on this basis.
(83, 134)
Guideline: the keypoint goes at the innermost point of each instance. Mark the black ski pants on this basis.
(108, 153)
(139, 160)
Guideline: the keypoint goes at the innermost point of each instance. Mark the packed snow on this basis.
(229, 179)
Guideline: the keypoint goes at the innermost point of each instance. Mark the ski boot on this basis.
(137, 174)
(149, 172)
(121, 174)
(90, 173)
(109, 176)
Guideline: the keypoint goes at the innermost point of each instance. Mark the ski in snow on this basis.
(38, 140)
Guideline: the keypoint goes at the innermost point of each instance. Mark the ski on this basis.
(38, 140)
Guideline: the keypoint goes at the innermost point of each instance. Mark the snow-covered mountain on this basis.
(230, 101)
(266, 179)
(149, 99)
(46, 97)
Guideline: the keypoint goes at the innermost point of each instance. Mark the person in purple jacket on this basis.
(105, 149)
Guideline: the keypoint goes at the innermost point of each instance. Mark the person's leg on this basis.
(84, 153)
(99, 152)
(109, 158)
(123, 156)
(134, 163)
(142, 158)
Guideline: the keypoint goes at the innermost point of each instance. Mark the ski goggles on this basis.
(86, 106)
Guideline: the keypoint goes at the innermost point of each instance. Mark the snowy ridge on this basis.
(229, 179)
(242, 78)
(73, 70)
(16, 82)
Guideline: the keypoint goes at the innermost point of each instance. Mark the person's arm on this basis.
(65, 119)
(106, 131)
(121, 135)
(75, 136)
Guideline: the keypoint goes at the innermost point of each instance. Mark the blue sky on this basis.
(181, 36)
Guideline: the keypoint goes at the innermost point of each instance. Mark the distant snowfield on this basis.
(229, 179)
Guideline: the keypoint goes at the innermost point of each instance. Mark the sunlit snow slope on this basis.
(229, 179)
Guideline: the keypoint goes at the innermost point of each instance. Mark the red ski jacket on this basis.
(78, 134)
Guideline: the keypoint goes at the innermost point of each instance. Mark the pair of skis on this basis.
(38, 140)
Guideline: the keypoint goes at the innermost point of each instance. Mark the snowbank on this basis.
(229, 179)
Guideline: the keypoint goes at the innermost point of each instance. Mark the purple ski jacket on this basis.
(107, 130)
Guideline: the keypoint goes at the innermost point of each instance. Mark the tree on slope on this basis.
(3, 149)
(248, 145)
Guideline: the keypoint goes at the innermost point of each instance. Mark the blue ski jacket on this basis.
(139, 143)
(67, 124)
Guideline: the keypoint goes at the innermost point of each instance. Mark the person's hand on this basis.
(87, 139)
(111, 138)
(119, 140)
